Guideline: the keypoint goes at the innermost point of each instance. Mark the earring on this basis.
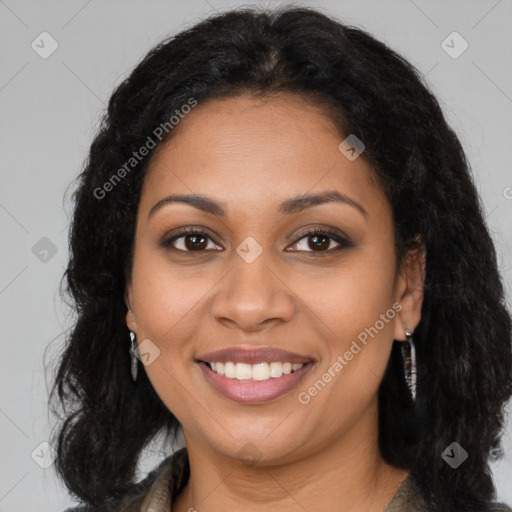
(134, 365)
(409, 360)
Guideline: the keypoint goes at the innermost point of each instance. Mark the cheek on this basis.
(347, 299)
(165, 301)
(166, 297)
(353, 313)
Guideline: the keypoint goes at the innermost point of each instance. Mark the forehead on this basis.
(248, 152)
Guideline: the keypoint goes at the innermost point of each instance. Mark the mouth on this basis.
(254, 382)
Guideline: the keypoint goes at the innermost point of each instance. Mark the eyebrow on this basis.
(287, 207)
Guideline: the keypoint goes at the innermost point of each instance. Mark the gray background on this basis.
(50, 109)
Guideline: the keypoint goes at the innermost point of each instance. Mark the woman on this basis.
(278, 250)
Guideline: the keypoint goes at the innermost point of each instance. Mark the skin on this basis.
(252, 154)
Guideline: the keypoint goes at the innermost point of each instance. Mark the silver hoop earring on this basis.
(134, 361)
(409, 360)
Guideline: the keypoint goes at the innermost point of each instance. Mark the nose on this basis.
(252, 296)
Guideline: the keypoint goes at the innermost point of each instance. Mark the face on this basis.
(314, 278)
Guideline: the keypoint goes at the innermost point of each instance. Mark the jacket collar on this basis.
(171, 479)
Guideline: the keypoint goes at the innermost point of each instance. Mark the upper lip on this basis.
(253, 356)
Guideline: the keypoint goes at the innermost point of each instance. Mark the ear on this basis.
(409, 291)
(130, 315)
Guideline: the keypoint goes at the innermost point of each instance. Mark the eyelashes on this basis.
(200, 237)
(342, 241)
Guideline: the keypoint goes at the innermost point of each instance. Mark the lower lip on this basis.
(254, 391)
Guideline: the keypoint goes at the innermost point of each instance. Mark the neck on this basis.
(347, 474)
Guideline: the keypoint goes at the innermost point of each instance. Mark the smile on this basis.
(254, 383)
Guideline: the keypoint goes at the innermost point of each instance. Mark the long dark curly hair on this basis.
(463, 342)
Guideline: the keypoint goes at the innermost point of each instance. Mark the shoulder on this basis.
(410, 498)
(499, 507)
(136, 493)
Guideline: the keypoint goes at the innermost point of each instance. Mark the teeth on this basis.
(243, 371)
(276, 369)
(259, 371)
(230, 370)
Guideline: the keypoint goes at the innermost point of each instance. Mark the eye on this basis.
(193, 241)
(320, 241)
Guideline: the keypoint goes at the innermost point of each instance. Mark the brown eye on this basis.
(320, 241)
(189, 241)
(193, 242)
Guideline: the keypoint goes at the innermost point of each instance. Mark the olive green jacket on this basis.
(157, 492)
